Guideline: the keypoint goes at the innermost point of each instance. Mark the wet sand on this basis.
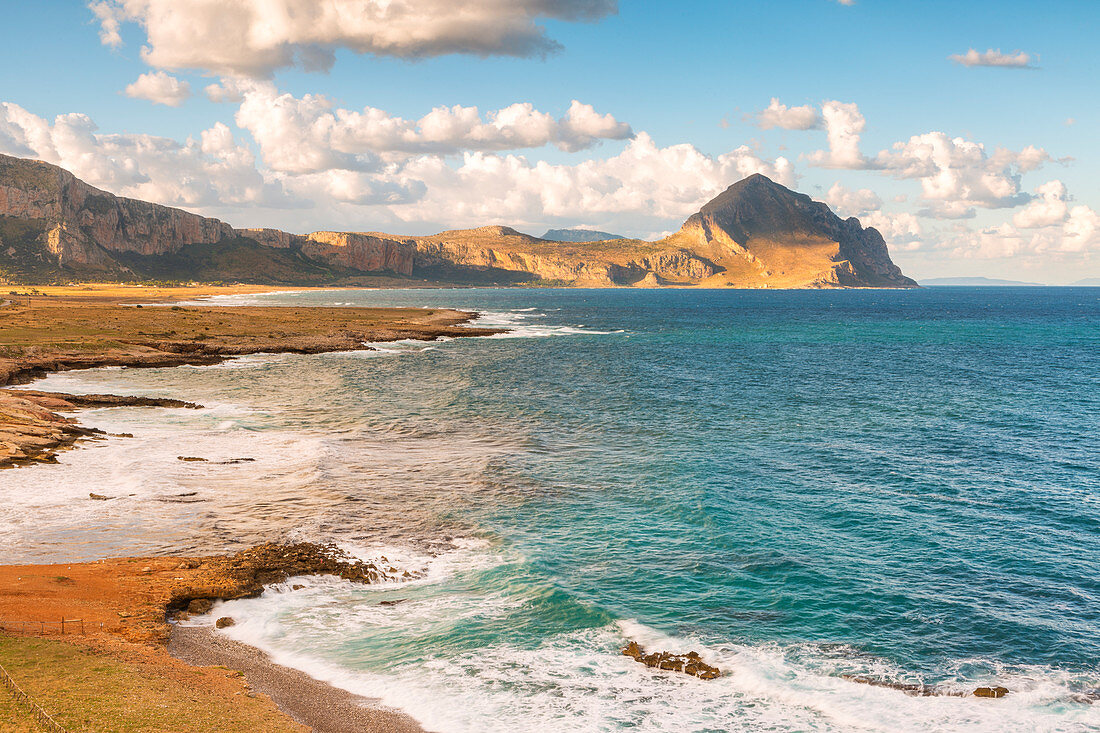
(324, 708)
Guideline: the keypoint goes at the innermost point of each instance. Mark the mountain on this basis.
(974, 281)
(54, 227)
(1090, 282)
(579, 235)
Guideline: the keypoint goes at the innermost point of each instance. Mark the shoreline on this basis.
(73, 329)
(125, 603)
(323, 707)
(128, 608)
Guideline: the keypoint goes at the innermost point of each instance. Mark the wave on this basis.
(413, 646)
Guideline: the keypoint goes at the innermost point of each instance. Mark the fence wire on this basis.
(23, 698)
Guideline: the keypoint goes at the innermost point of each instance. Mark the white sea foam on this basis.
(577, 680)
(519, 326)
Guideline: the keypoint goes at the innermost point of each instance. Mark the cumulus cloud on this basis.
(974, 57)
(788, 118)
(1047, 209)
(160, 88)
(844, 124)
(209, 171)
(255, 37)
(957, 174)
(852, 203)
(902, 229)
(226, 90)
(308, 134)
(642, 186)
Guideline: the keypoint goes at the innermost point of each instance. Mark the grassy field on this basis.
(86, 691)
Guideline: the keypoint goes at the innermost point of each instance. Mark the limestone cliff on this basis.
(84, 225)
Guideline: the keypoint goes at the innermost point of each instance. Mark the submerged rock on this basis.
(224, 621)
(98, 497)
(991, 692)
(689, 663)
(190, 459)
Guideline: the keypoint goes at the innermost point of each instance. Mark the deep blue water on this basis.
(804, 484)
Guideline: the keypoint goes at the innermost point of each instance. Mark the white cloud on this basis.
(957, 174)
(902, 229)
(788, 118)
(852, 203)
(160, 88)
(643, 188)
(109, 22)
(1081, 231)
(226, 90)
(307, 134)
(210, 171)
(255, 37)
(844, 124)
(644, 185)
(973, 57)
(1049, 208)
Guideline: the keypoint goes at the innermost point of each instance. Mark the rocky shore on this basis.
(128, 606)
(118, 610)
(63, 329)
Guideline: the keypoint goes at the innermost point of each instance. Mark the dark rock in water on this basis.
(914, 690)
(297, 587)
(224, 622)
(394, 602)
(121, 435)
(98, 497)
(190, 459)
(991, 692)
(690, 663)
(234, 461)
(200, 606)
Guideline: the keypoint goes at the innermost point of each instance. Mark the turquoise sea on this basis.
(801, 485)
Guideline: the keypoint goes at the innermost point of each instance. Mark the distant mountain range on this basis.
(757, 234)
(973, 281)
(1092, 282)
(579, 235)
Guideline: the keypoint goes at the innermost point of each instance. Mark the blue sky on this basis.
(676, 91)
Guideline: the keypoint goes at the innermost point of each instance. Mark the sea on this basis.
(809, 488)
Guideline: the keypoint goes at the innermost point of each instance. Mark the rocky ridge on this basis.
(755, 234)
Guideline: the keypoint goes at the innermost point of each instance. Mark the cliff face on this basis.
(755, 234)
(84, 225)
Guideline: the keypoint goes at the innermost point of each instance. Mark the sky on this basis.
(965, 132)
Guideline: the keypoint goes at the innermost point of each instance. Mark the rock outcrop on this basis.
(756, 234)
(31, 431)
(689, 663)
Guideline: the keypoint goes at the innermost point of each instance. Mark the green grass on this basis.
(14, 718)
(90, 691)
